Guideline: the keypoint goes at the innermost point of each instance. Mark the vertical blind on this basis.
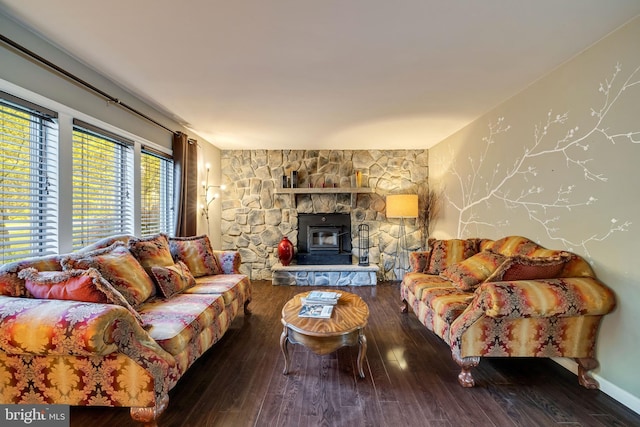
(156, 193)
(102, 184)
(28, 181)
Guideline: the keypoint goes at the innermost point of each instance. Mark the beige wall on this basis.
(50, 90)
(558, 163)
(27, 73)
(208, 154)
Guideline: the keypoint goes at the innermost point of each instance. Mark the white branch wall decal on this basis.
(481, 185)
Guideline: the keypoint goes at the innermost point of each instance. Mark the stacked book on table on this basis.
(319, 304)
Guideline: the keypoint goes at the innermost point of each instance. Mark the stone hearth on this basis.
(324, 275)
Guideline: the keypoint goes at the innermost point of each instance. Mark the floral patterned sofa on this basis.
(507, 298)
(115, 324)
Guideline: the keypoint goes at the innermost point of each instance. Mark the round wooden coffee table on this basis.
(323, 336)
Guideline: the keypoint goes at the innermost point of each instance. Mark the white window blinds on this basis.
(156, 193)
(102, 184)
(28, 187)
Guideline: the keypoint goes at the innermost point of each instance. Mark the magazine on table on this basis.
(317, 311)
(321, 298)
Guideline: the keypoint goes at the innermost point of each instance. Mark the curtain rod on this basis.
(82, 82)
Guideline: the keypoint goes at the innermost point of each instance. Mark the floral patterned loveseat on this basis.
(507, 298)
(115, 324)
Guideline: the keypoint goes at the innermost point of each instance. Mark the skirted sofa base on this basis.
(507, 298)
(60, 351)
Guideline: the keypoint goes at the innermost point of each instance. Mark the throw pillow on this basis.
(196, 253)
(468, 274)
(448, 252)
(116, 264)
(74, 285)
(419, 261)
(173, 279)
(520, 267)
(151, 251)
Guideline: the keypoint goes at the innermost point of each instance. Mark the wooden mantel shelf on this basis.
(324, 190)
(354, 191)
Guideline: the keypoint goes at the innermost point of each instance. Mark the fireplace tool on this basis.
(363, 244)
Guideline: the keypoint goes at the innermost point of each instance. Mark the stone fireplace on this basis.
(324, 239)
(255, 214)
(324, 255)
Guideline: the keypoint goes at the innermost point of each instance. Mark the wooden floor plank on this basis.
(410, 380)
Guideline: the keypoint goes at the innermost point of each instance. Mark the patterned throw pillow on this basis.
(116, 264)
(74, 285)
(448, 252)
(196, 253)
(419, 261)
(173, 279)
(151, 251)
(520, 267)
(468, 274)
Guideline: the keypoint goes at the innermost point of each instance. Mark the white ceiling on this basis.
(323, 74)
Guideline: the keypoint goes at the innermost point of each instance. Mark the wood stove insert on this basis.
(324, 239)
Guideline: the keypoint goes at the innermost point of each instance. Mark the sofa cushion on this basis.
(440, 306)
(173, 279)
(417, 282)
(231, 286)
(196, 253)
(175, 323)
(469, 273)
(116, 264)
(74, 285)
(520, 267)
(446, 303)
(448, 252)
(151, 251)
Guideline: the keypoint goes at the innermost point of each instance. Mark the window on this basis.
(156, 193)
(102, 184)
(95, 196)
(28, 146)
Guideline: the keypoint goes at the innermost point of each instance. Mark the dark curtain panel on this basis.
(185, 178)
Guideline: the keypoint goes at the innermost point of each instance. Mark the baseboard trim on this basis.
(627, 399)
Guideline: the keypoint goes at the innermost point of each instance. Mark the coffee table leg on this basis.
(284, 339)
(362, 350)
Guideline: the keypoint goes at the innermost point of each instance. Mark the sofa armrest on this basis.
(12, 285)
(229, 261)
(71, 328)
(577, 296)
(56, 327)
(504, 301)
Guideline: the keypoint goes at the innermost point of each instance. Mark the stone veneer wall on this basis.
(254, 219)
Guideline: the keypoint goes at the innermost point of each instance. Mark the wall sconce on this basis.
(207, 199)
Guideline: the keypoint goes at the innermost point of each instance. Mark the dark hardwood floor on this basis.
(411, 380)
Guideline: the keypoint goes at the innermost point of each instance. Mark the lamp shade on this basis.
(402, 206)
